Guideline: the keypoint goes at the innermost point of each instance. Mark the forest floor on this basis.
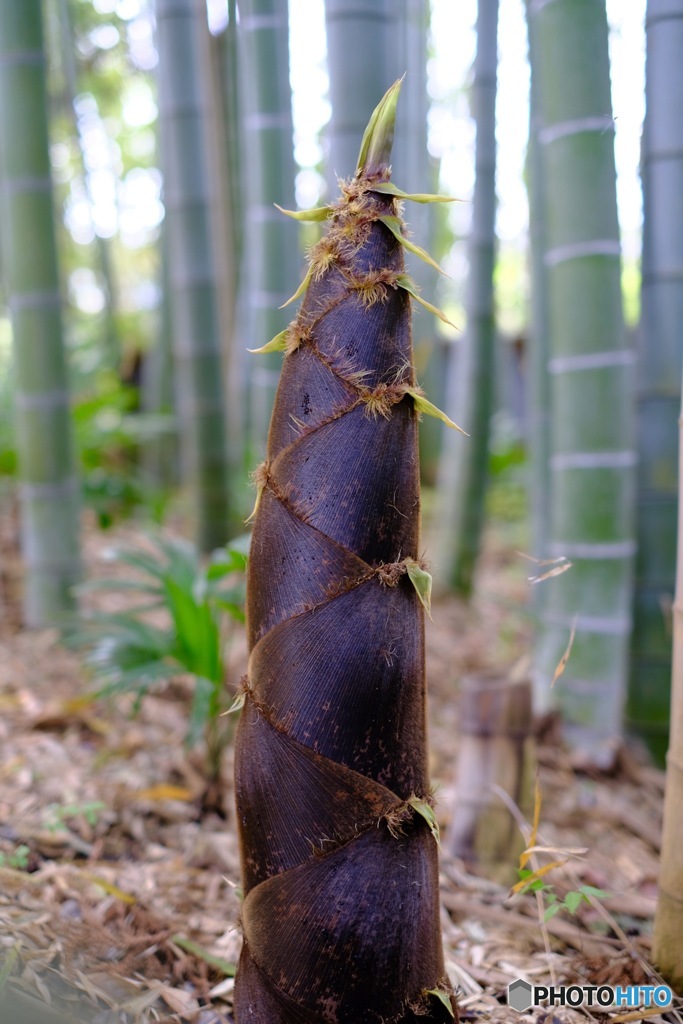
(118, 898)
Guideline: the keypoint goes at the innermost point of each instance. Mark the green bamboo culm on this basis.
(592, 461)
(270, 271)
(538, 419)
(192, 271)
(160, 453)
(659, 375)
(234, 138)
(363, 56)
(412, 166)
(111, 343)
(464, 469)
(337, 833)
(48, 485)
(226, 75)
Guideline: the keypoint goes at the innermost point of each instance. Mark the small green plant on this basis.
(59, 814)
(571, 901)
(17, 859)
(181, 628)
(533, 879)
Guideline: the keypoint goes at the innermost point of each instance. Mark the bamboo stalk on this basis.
(659, 376)
(112, 344)
(363, 56)
(49, 490)
(160, 453)
(197, 353)
(538, 420)
(271, 241)
(496, 749)
(464, 469)
(221, 165)
(412, 168)
(341, 909)
(592, 460)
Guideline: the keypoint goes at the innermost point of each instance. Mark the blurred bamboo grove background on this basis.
(143, 146)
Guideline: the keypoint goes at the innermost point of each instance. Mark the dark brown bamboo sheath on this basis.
(341, 908)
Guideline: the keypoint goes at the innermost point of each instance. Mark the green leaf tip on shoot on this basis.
(406, 282)
(422, 581)
(442, 996)
(301, 289)
(318, 213)
(237, 704)
(378, 138)
(395, 225)
(276, 344)
(388, 188)
(423, 405)
(426, 811)
(260, 478)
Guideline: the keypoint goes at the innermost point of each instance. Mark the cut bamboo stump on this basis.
(496, 750)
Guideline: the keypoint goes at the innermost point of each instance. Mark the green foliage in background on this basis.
(109, 434)
(178, 625)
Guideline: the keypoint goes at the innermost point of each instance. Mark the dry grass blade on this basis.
(558, 566)
(652, 1011)
(531, 839)
(551, 573)
(562, 663)
(536, 874)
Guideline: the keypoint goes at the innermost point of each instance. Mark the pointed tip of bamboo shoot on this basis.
(375, 149)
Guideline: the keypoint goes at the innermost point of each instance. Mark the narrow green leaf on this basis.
(442, 996)
(427, 812)
(319, 213)
(225, 966)
(553, 909)
(226, 562)
(300, 290)
(406, 282)
(394, 225)
(598, 894)
(422, 581)
(126, 628)
(276, 344)
(235, 611)
(378, 137)
(138, 559)
(138, 679)
(388, 188)
(423, 405)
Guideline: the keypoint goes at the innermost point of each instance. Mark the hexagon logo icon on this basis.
(519, 995)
